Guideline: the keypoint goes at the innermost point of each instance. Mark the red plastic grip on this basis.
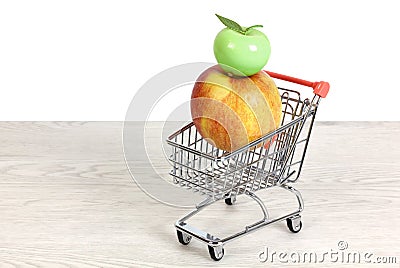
(320, 88)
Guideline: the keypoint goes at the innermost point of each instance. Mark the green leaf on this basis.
(231, 24)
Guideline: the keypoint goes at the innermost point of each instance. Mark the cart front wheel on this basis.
(216, 253)
(294, 224)
(183, 238)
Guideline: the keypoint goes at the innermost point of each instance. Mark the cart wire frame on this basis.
(275, 159)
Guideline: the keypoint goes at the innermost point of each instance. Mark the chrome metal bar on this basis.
(298, 195)
(260, 203)
(198, 234)
(208, 201)
(210, 239)
(292, 148)
(306, 145)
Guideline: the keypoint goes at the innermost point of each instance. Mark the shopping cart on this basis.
(275, 159)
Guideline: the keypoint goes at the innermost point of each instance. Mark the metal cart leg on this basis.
(294, 220)
(263, 209)
(215, 245)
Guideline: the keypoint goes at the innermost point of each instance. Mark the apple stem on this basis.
(236, 26)
(252, 27)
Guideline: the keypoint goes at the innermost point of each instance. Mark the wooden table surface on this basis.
(67, 200)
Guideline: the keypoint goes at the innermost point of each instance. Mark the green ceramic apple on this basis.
(241, 50)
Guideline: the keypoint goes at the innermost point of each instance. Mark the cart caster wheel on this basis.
(230, 200)
(216, 253)
(183, 238)
(294, 224)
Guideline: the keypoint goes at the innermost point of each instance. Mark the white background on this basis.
(84, 60)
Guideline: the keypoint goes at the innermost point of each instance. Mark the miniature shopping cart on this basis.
(275, 159)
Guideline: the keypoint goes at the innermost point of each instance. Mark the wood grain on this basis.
(67, 200)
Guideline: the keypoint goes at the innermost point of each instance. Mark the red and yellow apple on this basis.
(229, 112)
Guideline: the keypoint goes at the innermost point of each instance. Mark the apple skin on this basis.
(246, 53)
(229, 112)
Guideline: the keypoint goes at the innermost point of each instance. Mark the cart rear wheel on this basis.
(294, 224)
(230, 200)
(183, 238)
(216, 253)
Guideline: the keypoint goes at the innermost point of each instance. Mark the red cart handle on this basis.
(320, 88)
